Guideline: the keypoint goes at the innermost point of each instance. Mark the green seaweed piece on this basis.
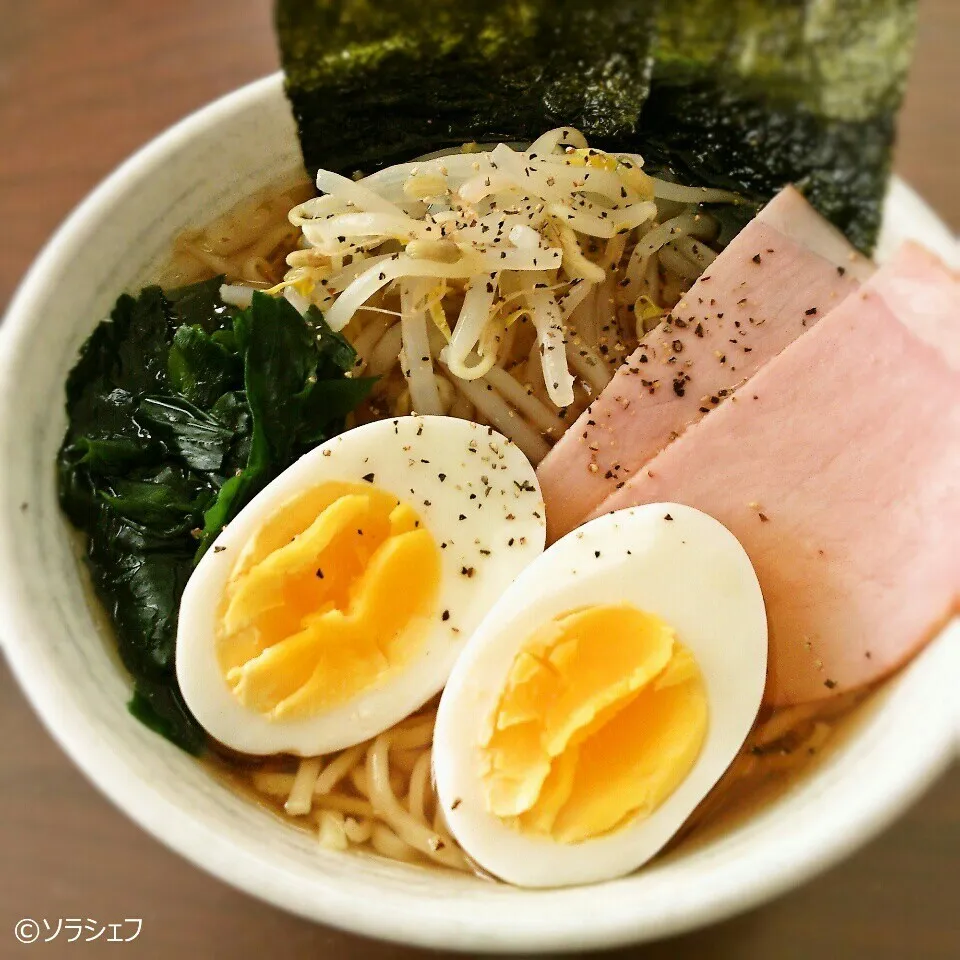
(373, 83)
(180, 409)
(754, 94)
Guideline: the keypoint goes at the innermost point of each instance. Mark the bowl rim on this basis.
(775, 870)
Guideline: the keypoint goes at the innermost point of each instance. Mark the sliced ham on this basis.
(759, 295)
(838, 468)
(922, 298)
(790, 213)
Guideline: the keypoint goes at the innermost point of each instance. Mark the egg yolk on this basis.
(328, 598)
(602, 716)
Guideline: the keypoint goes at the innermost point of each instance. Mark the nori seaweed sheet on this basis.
(373, 83)
(748, 94)
(754, 94)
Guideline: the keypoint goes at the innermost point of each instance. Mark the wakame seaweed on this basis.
(180, 410)
(745, 94)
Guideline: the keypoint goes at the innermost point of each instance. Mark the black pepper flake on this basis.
(698, 329)
(756, 258)
(319, 574)
(368, 477)
(219, 549)
(810, 312)
(763, 517)
(596, 553)
(829, 684)
(677, 346)
(667, 516)
(456, 803)
(510, 542)
(445, 615)
(868, 654)
(841, 270)
(463, 516)
(467, 571)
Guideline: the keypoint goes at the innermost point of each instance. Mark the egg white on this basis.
(433, 463)
(667, 559)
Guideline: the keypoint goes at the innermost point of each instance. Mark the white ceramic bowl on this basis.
(900, 741)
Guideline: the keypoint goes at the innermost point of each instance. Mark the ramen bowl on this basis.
(886, 754)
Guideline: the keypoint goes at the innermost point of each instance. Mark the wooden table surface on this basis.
(82, 84)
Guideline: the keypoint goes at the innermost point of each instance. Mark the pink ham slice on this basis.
(759, 295)
(919, 294)
(838, 468)
(790, 213)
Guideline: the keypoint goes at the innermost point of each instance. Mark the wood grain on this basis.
(82, 84)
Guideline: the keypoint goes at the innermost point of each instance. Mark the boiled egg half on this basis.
(602, 697)
(337, 601)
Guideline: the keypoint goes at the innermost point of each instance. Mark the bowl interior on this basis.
(890, 750)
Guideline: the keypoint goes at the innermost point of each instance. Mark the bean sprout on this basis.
(565, 235)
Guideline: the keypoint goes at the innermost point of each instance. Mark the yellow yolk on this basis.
(602, 716)
(327, 600)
